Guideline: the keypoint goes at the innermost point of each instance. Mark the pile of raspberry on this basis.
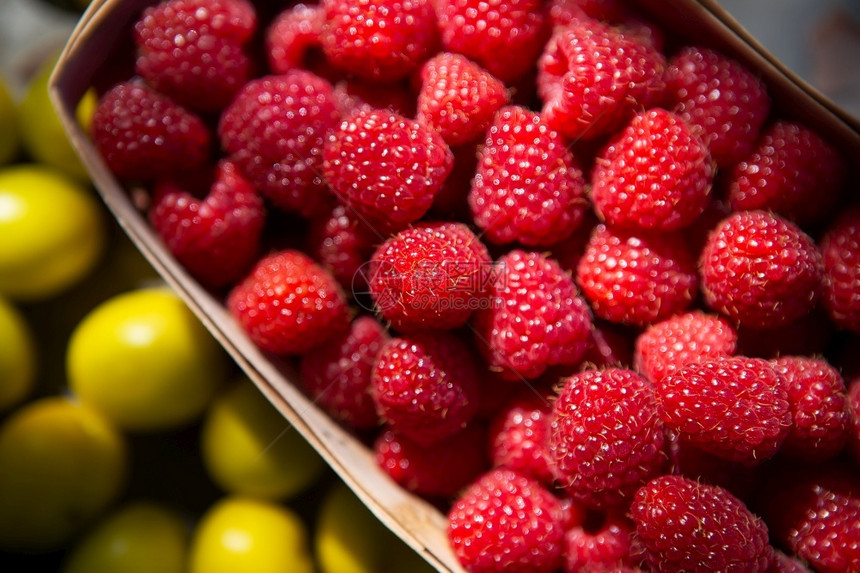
(577, 279)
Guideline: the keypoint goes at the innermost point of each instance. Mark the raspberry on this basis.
(734, 407)
(593, 77)
(343, 243)
(606, 437)
(337, 375)
(505, 521)
(792, 171)
(519, 437)
(378, 39)
(816, 395)
(840, 250)
(537, 318)
(687, 526)
(217, 239)
(431, 276)
(439, 470)
(812, 511)
(288, 304)
(636, 278)
(144, 135)
(760, 270)
(528, 186)
(293, 36)
(503, 36)
(603, 545)
(386, 167)
(275, 130)
(425, 386)
(723, 100)
(654, 175)
(665, 346)
(458, 98)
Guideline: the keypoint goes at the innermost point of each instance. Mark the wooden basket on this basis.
(418, 523)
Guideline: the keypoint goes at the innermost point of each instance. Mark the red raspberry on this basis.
(723, 100)
(537, 318)
(654, 175)
(458, 98)
(343, 243)
(813, 512)
(431, 276)
(760, 270)
(687, 526)
(217, 238)
(735, 407)
(592, 77)
(386, 167)
(606, 438)
(519, 437)
(337, 375)
(507, 522)
(426, 386)
(792, 171)
(816, 395)
(665, 346)
(840, 248)
(439, 470)
(528, 186)
(503, 36)
(636, 278)
(293, 36)
(289, 304)
(600, 546)
(379, 39)
(275, 130)
(144, 135)
(853, 408)
(194, 50)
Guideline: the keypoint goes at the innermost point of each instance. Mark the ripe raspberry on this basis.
(665, 346)
(528, 186)
(503, 36)
(289, 304)
(505, 521)
(194, 50)
(378, 39)
(687, 526)
(723, 100)
(603, 545)
(816, 395)
(760, 270)
(792, 171)
(343, 243)
(606, 438)
(337, 375)
(458, 98)
(519, 437)
(144, 135)
(217, 238)
(592, 77)
(537, 318)
(431, 276)
(812, 511)
(734, 407)
(426, 386)
(840, 248)
(439, 470)
(293, 36)
(275, 130)
(386, 167)
(636, 278)
(654, 175)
